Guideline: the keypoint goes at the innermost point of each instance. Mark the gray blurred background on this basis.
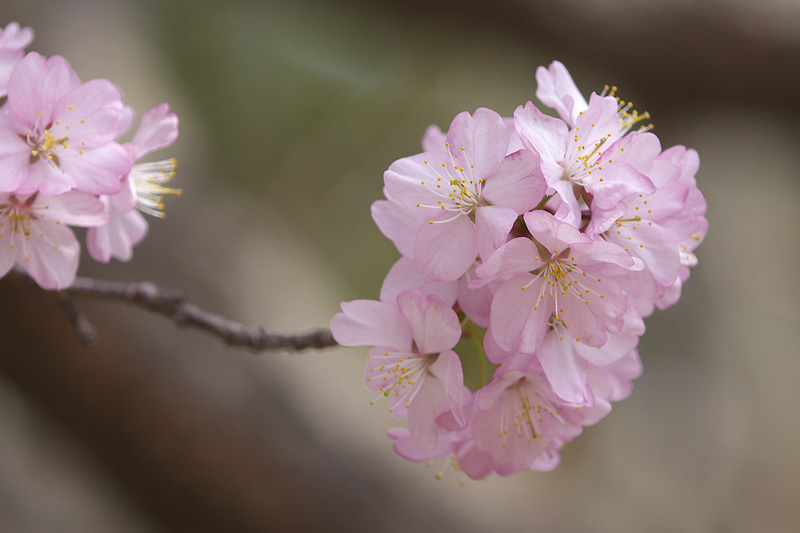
(290, 112)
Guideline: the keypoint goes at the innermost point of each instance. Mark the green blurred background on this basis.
(290, 112)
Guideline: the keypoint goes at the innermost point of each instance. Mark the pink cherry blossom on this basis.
(583, 156)
(469, 189)
(560, 281)
(35, 236)
(412, 362)
(556, 89)
(558, 275)
(60, 133)
(568, 363)
(143, 189)
(651, 227)
(405, 275)
(518, 421)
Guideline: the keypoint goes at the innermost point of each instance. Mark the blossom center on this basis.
(582, 160)
(400, 375)
(561, 277)
(525, 413)
(457, 187)
(45, 146)
(19, 215)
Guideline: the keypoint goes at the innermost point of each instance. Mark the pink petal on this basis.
(448, 372)
(619, 181)
(515, 257)
(660, 254)
(476, 303)
(445, 250)
(492, 226)
(90, 115)
(397, 223)
(518, 318)
(411, 182)
(371, 323)
(117, 237)
(15, 36)
(404, 275)
(407, 447)
(159, 128)
(602, 256)
(613, 382)
(8, 60)
(552, 233)
(427, 404)
(564, 369)
(545, 135)
(556, 89)
(479, 141)
(51, 255)
(434, 325)
(73, 208)
(517, 184)
(35, 85)
(14, 161)
(98, 171)
(44, 176)
(434, 139)
(641, 149)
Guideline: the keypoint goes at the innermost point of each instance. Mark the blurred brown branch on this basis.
(173, 305)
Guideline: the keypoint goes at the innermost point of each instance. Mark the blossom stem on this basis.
(173, 305)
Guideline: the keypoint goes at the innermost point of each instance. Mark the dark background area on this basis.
(290, 112)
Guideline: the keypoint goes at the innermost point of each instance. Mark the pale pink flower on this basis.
(519, 422)
(405, 275)
(556, 89)
(569, 364)
(657, 228)
(584, 156)
(60, 133)
(412, 362)
(691, 225)
(34, 234)
(13, 39)
(143, 189)
(469, 189)
(559, 275)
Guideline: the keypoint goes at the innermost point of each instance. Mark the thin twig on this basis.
(86, 331)
(173, 305)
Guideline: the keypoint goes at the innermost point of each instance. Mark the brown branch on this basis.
(173, 305)
(86, 331)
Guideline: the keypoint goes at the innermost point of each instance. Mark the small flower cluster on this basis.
(546, 241)
(61, 165)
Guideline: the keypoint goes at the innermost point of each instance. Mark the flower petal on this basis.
(50, 255)
(371, 323)
(434, 325)
(444, 250)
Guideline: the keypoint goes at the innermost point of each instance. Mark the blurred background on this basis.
(290, 112)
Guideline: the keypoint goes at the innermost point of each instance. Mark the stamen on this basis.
(148, 181)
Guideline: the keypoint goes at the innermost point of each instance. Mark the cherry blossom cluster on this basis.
(62, 164)
(545, 241)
